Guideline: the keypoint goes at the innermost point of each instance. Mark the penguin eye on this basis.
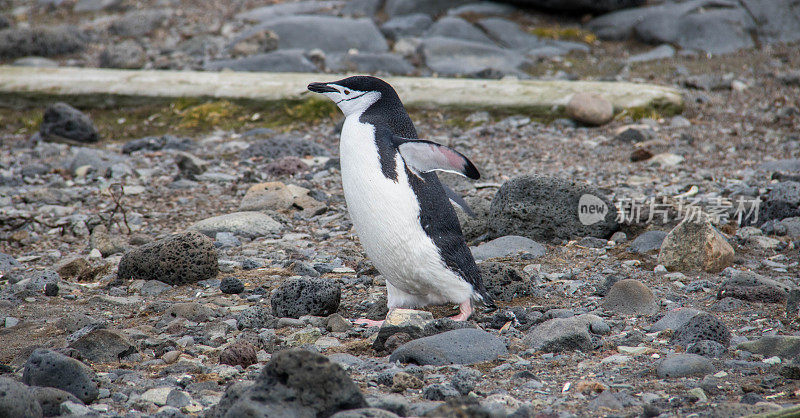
(346, 92)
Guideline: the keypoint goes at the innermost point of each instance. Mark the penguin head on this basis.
(356, 94)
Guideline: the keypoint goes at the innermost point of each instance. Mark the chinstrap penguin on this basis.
(399, 209)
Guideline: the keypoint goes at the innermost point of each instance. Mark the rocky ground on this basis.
(160, 260)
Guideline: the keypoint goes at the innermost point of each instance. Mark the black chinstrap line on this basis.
(346, 100)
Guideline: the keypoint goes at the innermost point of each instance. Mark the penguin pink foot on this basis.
(368, 322)
(464, 311)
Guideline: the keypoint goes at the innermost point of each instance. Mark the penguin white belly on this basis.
(385, 215)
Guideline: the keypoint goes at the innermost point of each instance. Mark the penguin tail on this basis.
(483, 299)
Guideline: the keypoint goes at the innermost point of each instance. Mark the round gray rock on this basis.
(507, 245)
(300, 296)
(707, 348)
(647, 241)
(566, 334)
(42, 42)
(8, 262)
(701, 327)
(408, 25)
(178, 259)
(294, 382)
(246, 224)
(63, 122)
(103, 346)
(504, 282)
(50, 399)
(543, 208)
(126, 54)
(460, 346)
(630, 297)
(50, 369)
(682, 365)
(674, 319)
(328, 33)
(590, 109)
(16, 400)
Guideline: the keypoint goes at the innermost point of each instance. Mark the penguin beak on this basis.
(321, 88)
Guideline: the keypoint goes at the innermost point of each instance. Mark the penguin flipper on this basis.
(458, 200)
(425, 156)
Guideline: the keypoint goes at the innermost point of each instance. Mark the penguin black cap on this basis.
(357, 83)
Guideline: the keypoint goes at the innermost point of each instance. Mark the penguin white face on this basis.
(350, 100)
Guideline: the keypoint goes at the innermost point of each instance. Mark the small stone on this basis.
(267, 196)
(294, 382)
(50, 369)
(51, 399)
(102, 346)
(254, 43)
(544, 208)
(10, 322)
(337, 323)
(461, 346)
(406, 321)
(636, 351)
(504, 282)
(16, 400)
(666, 160)
(647, 241)
(70, 408)
(707, 348)
(190, 165)
(439, 392)
(765, 243)
(300, 296)
(619, 237)
(683, 365)
(750, 286)
(632, 135)
(72, 268)
(465, 380)
(41, 41)
(285, 166)
(171, 356)
(630, 297)
(157, 396)
(702, 326)
(783, 346)
(62, 122)
(193, 311)
(566, 334)
(674, 319)
(247, 224)
(153, 288)
(139, 23)
(240, 353)
(507, 245)
(178, 399)
(303, 337)
(178, 259)
(590, 109)
(402, 381)
(699, 394)
(231, 286)
(127, 55)
(640, 154)
(695, 246)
